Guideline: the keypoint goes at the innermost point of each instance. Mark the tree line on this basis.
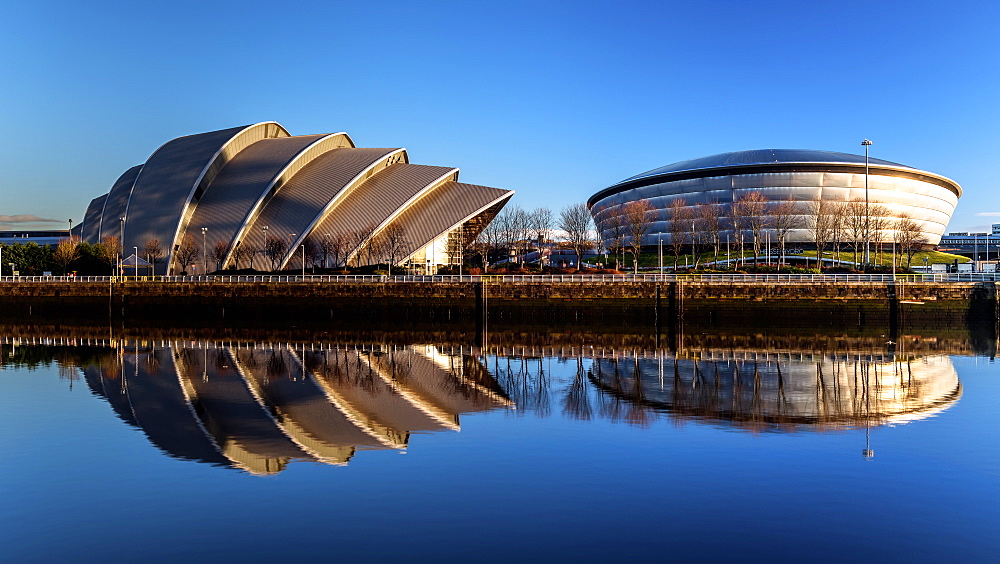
(750, 221)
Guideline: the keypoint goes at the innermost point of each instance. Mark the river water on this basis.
(818, 448)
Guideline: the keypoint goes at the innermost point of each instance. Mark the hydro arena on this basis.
(803, 177)
(241, 186)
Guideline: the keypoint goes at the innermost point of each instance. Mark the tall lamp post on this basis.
(121, 244)
(265, 240)
(868, 217)
(204, 248)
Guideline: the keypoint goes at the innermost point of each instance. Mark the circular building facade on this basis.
(800, 183)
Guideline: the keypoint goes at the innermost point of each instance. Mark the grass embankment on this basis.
(652, 260)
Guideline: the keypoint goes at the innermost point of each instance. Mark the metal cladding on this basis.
(244, 190)
(801, 178)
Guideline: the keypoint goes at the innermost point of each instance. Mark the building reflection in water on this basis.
(778, 392)
(259, 408)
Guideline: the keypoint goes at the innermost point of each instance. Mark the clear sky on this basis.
(555, 100)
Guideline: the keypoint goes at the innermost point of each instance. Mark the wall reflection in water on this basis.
(259, 408)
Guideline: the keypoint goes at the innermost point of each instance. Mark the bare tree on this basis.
(839, 228)
(111, 249)
(711, 224)
(219, 252)
(751, 209)
(67, 251)
(855, 222)
(332, 246)
(152, 251)
(577, 224)
(638, 221)
(879, 225)
(783, 219)
(823, 223)
(908, 237)
(488, 242)
(679, 215)
(187, 251)
(540, 223)
(394, 243)
(314, 253)
(244, 250)
(614, 233)
(275, 249)
(513, 227)
(338, 248)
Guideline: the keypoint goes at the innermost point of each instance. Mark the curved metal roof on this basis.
(302, 201)
(170, 181)
(116, 203)
(242, 182)
(446, 207)
(764, 156)
(92, 220)
(380, 197)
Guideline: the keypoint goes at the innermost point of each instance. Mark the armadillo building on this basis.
(804, 178)
(258, 190)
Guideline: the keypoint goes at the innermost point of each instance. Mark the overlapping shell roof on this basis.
(245, 182)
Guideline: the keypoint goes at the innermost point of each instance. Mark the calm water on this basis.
(205, 450)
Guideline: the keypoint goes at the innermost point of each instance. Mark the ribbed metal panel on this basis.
(241, 183)
(305, 196)
(117, 201)
(173, 178)
(379, 198)
(444, 208)
(92, 220)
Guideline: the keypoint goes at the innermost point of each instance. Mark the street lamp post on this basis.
(136, 261)
(204, 248)
(868, 216)
(694, 262)
(265, 240)
(659, 243)
(121, 244)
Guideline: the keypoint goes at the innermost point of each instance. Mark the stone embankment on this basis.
(524, 299)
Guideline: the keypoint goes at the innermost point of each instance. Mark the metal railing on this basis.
(525, 278)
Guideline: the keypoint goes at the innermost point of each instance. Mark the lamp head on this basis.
(866, 142)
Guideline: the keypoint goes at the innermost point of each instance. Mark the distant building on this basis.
(50, 237)
(983, 245)
(262, 190)
(801, 178)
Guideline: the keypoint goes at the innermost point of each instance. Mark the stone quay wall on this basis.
(261, 293)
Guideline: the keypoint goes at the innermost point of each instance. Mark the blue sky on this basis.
(555, 100)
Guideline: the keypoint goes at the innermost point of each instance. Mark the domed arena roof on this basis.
(764, 156)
